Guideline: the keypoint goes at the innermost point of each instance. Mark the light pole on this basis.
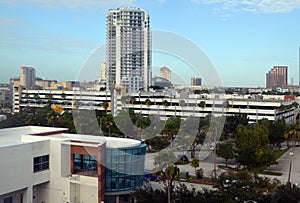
(290, 169)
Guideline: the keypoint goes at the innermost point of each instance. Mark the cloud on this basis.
(230, 7)
(71, 4)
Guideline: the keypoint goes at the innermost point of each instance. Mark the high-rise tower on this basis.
(165, 72)
(128, 48)
(277, 77)
(27, 77)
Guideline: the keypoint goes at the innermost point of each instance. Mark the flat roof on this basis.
(26, 134)
(111, 142)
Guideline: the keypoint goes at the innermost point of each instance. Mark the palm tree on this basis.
(165, 103)
(148, 104)
(108, 125)
(132, 100)
(50, 98)
(182, 104)
(105, 105)
(202, 104)
(63, 96)
(169, 175)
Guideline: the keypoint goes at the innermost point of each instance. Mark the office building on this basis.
(128, 48)
(195, 81)
(27, 77)
(277, 77)
(165, 72)
(45, 164)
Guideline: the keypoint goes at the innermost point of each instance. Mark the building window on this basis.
(40, 163)
(8, 200)
(85, 162)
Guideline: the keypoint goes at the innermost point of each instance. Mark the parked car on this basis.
(183, 158)
(149, 175)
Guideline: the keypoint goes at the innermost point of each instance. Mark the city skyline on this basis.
(243, 39)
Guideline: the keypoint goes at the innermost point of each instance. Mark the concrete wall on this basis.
(16, 164)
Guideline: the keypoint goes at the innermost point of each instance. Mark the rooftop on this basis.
(28, 134)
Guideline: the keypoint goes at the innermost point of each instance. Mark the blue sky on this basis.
(243, 38)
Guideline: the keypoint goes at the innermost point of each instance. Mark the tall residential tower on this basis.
(128, 48)
(165, 72)
(277, 77)
(27, 77)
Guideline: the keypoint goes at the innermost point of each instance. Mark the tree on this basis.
(142, 123)
(195, 164)
(132, 100)
(165, 103)
(105, 106)
(277, 130)
(108, 125)
(252, 143)
(225, 150)
(171, 127)
(168, 176)
(148, 103)
(202, 104)
(63, 97)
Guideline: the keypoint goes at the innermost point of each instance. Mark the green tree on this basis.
(168, 176)
(195, 164)
(277, 130)
(171, 127)
(202, 104)
(142, 123)
(225, 150)
(105, 106)
(132, 100)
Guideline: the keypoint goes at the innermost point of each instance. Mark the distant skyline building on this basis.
(128, 48)
(165, 72)
(195, 81)
(277, 77)
(27, 77)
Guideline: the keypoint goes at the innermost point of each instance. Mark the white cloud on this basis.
(229, 7)
(72, 4)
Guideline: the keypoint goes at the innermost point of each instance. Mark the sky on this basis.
(243, 39)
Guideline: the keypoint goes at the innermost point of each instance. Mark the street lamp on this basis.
(290, 169)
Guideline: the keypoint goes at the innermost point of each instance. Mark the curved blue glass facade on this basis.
(124, 168)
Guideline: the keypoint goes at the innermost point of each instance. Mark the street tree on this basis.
(225, 150)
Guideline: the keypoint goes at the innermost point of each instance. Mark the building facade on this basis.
(128, 48)
(195, 81)
(255, 107)
(165, 72)
(27, 77)
(66, 99)
(277, 77)
(43, 164)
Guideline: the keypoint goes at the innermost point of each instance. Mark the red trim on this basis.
(51, 133)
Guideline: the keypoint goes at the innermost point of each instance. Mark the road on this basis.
(207, 164)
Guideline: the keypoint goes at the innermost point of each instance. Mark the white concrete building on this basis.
(89, 100)
(128, 48)
(27, 77)
(42, 164)
(272, 107)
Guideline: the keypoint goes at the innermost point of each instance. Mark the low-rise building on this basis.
(68, 100)
(44, 164)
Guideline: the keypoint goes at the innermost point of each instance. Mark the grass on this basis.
(279, 153)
